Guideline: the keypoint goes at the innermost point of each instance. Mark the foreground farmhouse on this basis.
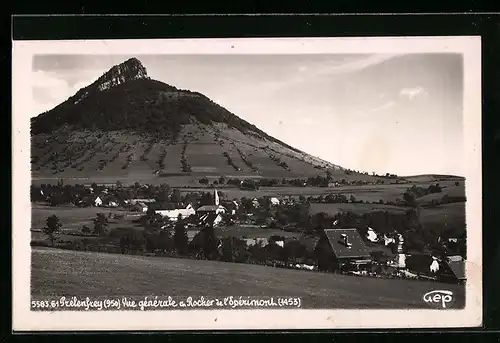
(339, 248)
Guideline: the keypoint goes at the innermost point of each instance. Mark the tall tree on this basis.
(328, 175)
(175, 196)
(410, 199)
(180, 236)
(100, 223)
(227, 249)
(294, 250)
(53, 227)
(234, 249)
(210, 242)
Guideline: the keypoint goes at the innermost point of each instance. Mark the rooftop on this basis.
(458, 269)
(455, 258)
(357, 248)
(209, 208)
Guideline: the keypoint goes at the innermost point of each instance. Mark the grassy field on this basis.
(387, 192)
(438, 218)
(444, 216)
(333, 209)
(451, 191)
(433, 178)
(61, 272)
(71, 217)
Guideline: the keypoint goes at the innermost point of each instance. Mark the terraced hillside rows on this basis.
(199, 149)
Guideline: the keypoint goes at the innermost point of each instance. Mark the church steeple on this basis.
(216, 198)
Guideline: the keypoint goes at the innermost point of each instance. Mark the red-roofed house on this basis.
(341, 249)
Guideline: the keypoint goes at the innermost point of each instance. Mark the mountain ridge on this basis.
(126, 101)
(134, 69)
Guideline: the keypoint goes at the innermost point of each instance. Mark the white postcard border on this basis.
(26, 320)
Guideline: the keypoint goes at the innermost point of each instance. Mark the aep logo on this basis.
(438, 297)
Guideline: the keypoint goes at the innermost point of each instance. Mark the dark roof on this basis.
(358, 249)
(458, 269)
(207, 218)
(209, 208)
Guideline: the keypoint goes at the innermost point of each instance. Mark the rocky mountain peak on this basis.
(131, 69)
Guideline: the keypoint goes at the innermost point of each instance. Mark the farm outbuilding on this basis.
(453, 270)
(140, 207)
(447, 269)
(341, 249)
(173, 214)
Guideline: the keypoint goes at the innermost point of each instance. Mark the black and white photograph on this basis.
(247, 183)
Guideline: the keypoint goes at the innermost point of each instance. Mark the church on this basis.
(211, 214)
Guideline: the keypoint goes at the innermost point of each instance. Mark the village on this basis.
(270, 230)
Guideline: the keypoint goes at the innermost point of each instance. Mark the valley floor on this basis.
(72, 273)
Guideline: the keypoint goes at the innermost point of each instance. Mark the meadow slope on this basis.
(71, 273)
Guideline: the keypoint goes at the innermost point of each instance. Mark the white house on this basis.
(112, 204)
(98, 201)
(434, 267)
(254, 241)
(388, 240)
(174, 214)
(401, 261)
(274, 201)
(401, 255)
(371, 235)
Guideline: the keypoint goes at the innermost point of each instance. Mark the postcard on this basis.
(259, 184)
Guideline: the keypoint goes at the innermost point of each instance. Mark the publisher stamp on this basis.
(439, 298)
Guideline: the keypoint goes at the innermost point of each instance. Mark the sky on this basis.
(399, 114)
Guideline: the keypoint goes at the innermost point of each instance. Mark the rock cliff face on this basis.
(129, 70)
